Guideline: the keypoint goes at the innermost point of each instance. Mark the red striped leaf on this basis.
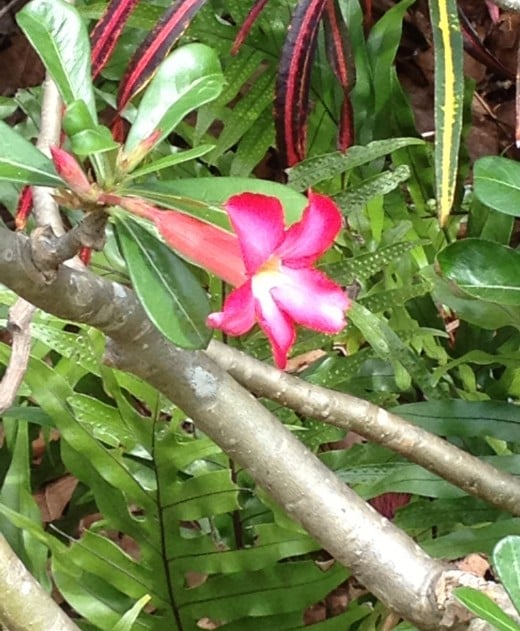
(476, 48)
(340, 58)
(293, 82)
(106, 32)
(155, 48)
(247, 25)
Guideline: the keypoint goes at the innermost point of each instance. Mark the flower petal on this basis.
(258, 221)
(238, 315)
(306, 240)
(275, 323)
(311, 299)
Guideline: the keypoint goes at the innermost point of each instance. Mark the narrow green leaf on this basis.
(59, 36)
(357, 198)
(185, 80)
(127, 621)
(483, 607)
(169, 293)
(323, 167)
(506, 561)
(203, 197)
(483, 539)
(389, 346)
(483, 269)
(449, 95)
(453, 417)
(169, 161)
(20, 161)
(366, 265)
(497, 184)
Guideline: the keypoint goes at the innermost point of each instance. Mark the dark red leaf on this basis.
(106, 32)
(340, 58)
(248, 23)
(293, 82)
(155, 47)
(474, 46)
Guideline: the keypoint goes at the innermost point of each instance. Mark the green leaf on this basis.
(357, 198)
(487, 315)
(169, 161)
(171, 296)
(483, 607)
(506, 561)
(203, 197)
(389, 346)
(20, 161)
(449, 96)
(366, 265)
(453, 417)
(461, 542)
(127, 621)
(186, 79)
(483, 269)
(59, 36)
(316, 169)
(497, 184)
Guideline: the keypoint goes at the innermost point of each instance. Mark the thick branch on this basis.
(384, 558)
(24, 604)
(343, 410)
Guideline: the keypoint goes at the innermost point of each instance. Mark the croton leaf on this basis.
(107, 30)
(155, 47)
(340, 58)
(171, 296)
(293, 81)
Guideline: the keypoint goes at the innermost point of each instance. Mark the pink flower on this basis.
(282, 287)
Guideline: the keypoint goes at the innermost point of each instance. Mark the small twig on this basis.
(19, 325)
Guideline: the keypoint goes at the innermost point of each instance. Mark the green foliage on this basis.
(60, 37)
(169, 490)
(177, 536)
(23, 163)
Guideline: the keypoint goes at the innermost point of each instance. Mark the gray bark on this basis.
(24, 606)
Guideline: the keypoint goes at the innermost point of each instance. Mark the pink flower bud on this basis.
(70, 171)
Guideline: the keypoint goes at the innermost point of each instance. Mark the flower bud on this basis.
(70, 171)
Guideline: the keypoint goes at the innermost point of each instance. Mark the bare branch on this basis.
(19, 325)
(46, 211)
(24, 605)
(471, 474)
